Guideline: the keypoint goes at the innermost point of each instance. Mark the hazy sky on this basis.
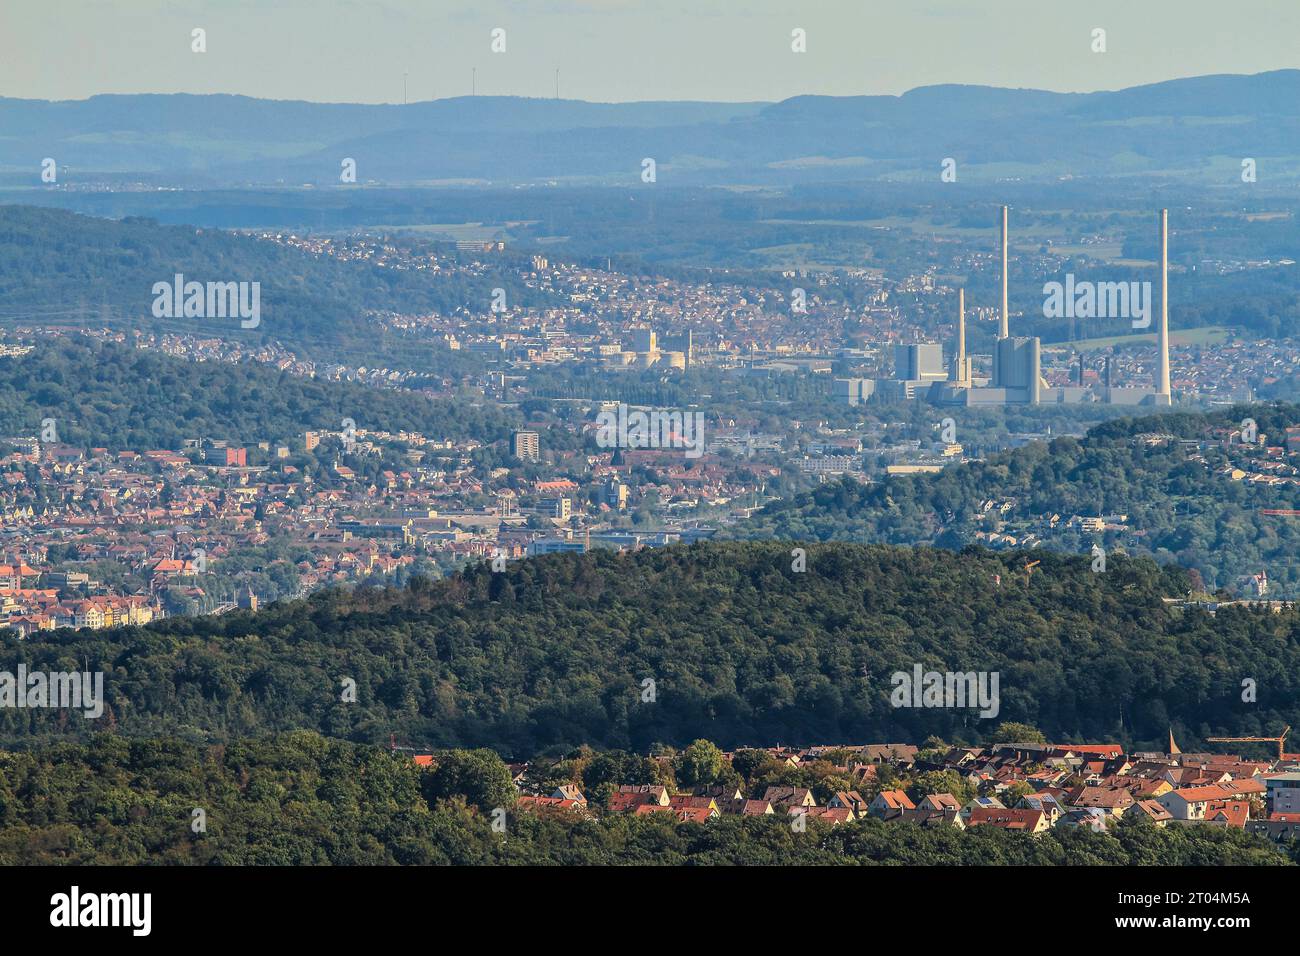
(358, 50)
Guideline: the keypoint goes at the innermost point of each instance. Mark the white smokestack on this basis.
(959, 364)
(1162, 336)
(1002, 328)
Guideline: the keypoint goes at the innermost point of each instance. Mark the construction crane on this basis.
(1029, 569)
(1282, 512)
(1256, 740)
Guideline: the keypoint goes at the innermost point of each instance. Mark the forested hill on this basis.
(1182, 502)
(118, 396)
(64, 269)
(556, 652)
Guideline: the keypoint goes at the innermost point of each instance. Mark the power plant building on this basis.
(852, 391)
(644, 340)
(1017, 363)
(919, 363)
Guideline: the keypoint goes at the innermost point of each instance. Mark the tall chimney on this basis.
(1002, 328)
(1162, 336)
(960, 367)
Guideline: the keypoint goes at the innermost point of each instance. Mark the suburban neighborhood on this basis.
(1025, 787)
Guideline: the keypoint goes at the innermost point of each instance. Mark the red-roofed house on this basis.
(1114, 800)
(629, 799)
(695, 814)
(831, 815)
(1023, 821)
(1230, 813)
(551, 803)
(890, 803)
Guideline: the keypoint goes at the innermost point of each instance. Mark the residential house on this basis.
(789, 797)
(570, 792)
(939, 802)
(535, 803)
(928, 816)
(848, 799)
(1194, 803)
(1113, 800)
(1022, 821)
(827, 814)
(981, 803)
(628, 798)
(1153, 811)
(686, 802)
(1094, 818)
(889, 804)
(1051, 807)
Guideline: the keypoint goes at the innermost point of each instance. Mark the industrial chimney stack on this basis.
(959, 372)
(1162, 336)
(1002, 328)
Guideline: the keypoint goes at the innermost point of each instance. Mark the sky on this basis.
(619, 50)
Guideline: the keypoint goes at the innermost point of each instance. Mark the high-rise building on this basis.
(557, 507)
(525, 446)
(616, 494)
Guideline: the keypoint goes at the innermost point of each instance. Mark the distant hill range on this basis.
(1196, 129)
(61, 269)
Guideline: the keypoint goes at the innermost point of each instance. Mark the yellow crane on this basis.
(1029, 569)
(1255, 740)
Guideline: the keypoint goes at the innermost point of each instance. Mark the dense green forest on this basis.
(555, 652)
(114, 395)
(59, 268)
(303, 799)
(1178, 509)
